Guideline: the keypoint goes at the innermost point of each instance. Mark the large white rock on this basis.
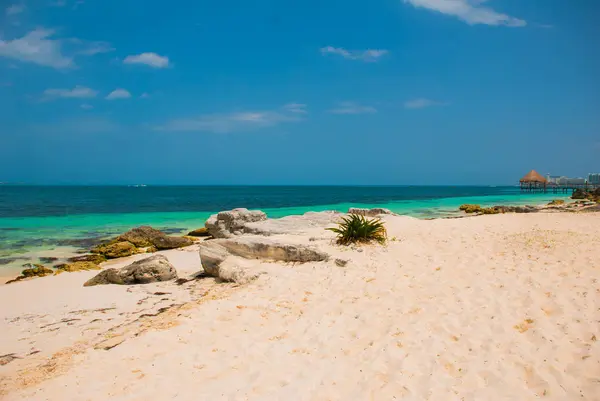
(310, 223)
(227, 223)
(369, 212)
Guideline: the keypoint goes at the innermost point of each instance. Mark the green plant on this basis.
(356, 228)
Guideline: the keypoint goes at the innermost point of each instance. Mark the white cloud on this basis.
(36, 47)
(78, 92)
(369, 55)
(353, 108)
(151, 59)
(118, 94)
(298, 108)
(470, 11)
(86, 106)
(230, 122)
(422, 103)
(15, 9)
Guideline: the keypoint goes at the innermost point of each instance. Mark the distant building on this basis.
(562, 180)
(553, 179)
(594, 178)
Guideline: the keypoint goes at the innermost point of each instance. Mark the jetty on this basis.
(535, 182)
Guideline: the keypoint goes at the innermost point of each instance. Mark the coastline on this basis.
(427, 305)
(29, 238)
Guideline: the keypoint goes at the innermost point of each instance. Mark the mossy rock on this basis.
(76, 267)
(194, 239)
(37, 271)
(490, 210)
(467, 208)
(94, 258)
(556, 202)
(200, 232)
(151, 249)
(116, 249)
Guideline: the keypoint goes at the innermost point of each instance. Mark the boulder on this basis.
(36, 271)
(580, 194)
(212, 254)
(308, 224)
(76, 267)
(149, 270)
(255, 247)
(218, 262)
(114, 250)
(225, 224)
(467, 208)
(556, 202)
(147, 236)
(369, 212)
(516, 209)
(94, 258)
(200, 232)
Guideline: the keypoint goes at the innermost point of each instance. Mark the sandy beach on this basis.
(498, 307)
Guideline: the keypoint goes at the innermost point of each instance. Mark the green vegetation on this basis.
(356, 228)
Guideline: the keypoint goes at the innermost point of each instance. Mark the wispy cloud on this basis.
(78, 92)
(118, 94)
(353, 108)
(421, 103)
(144, 95)
(92, 48)
(297, 108)
(471, 11)
(41, 47)
(86, 106)
(151, 59)
(232, 122)
(15, 9)
(369, 55)
(37, 47)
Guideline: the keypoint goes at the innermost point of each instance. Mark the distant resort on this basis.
(535, 182)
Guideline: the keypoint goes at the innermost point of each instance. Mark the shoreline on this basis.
(427, 304)
(43, 227)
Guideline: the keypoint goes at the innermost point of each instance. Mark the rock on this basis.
(76, 267)
(369, 212)
(255, 247)
(146, 236)
(490, 210)
(36, 271)
(516, 209)
(212, 254)
(94, 258)
(341, 262)
(556, 202)
(116, 249)
(467, 208)
(200, 232)
(310, 223)
(151, 249)
(148, 270)
(48, 259)
(580, 194)
(224, 224)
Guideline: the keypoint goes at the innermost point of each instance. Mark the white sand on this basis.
(503, 307)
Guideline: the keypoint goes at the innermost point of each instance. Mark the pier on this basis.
(535, 182)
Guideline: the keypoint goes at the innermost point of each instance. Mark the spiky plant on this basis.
(356, 228)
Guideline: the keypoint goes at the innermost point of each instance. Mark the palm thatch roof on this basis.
(533, 176)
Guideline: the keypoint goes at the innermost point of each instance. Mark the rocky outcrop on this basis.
(147, 236)
(200, 232)
(228, 223)
(255, 247)
(114, 250)
(94, 258)
(517, 209)
(468, 208)
(76, 267)
(310, 223)
(149, 270)
(369, 212)
(32, 271)
(227, 259)
(580, 194)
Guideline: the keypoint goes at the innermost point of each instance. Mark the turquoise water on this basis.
(54, 225)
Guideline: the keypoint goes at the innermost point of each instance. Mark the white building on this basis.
(594, 178)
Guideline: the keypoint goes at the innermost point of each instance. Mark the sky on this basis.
(381, 92)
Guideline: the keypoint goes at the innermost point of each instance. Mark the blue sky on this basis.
(298, 92)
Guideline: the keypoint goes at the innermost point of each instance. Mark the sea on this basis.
(47, 224)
